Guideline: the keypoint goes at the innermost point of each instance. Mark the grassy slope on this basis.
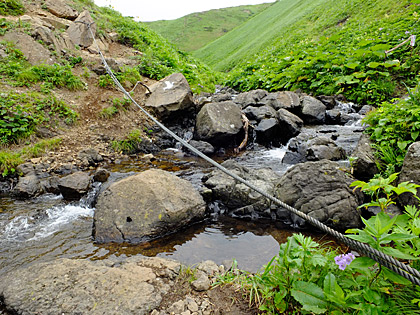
(323, 47)
(256, 34)
(195, 30)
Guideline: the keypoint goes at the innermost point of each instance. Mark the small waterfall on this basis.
(35, 226)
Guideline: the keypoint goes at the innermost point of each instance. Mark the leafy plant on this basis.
(11, 7)
(20, 114)
(129, 144)
(393, 126)
(9, 160)
(383, 192)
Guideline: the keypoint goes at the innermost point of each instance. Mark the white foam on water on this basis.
(275, 154)
(26, 228)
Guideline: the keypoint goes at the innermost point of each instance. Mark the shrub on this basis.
(11, 7)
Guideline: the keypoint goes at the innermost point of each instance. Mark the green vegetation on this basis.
(307, 278)
(118, 104)
(21, 73)
(20, 114)
(11, 7)
(323, 47)
(393, 126)
(158, 57)
(382, 191)
(9, 160)
(128, 77)
(130, 144)
(196, 30)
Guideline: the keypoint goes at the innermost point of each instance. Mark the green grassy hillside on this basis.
(323, 47)
(195, 30)
(254, 35)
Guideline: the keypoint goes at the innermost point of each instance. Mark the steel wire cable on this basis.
(390, 262)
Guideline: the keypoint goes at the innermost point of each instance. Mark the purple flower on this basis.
(407, 32)
(381, 28)
(344, 260)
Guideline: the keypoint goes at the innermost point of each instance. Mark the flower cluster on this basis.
(344, 260)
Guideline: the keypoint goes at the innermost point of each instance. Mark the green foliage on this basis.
(21, 73)
(158, 57)
(304, 278)
(393, 126)
(382, 190)
(195, 30)
(322, 47)
(11, 7)
(117, 105)
(21, 113)
(130, 144)
(9, 160)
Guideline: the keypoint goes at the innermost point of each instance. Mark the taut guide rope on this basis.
(390, 262)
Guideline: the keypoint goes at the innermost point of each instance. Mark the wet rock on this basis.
(364, 163)
(146, 206)
(286, 99)
(201, 146)
(79, 32)
(90, 156)
(50, 185)
(250, 98)
(410, 172)
(328, 101)
(365, 109)
(27, 187)
(60, 9)
(333, 117)
(313, 111)
(25, 169)
(268, 132)
(221, 97)
(74, 186)
(66, 169)
(322, 148)
(259, 113)
(297, 149)
(72, 286)
(321, 190)
(235, 195)
(289, 124)
(218, 123)
(101, 175)
(171, 96)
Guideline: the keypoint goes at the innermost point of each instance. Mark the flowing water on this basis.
(47, 228)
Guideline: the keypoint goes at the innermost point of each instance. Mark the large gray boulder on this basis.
(364, 164)
(238, 198)
(323, 148)
(321, 190)
(410, 172)
(251, 98)
(286, 99)
(170, 96)
(218, 123)
(290, 124)
(60, 9)
(28, 186)
(146, 206)
(70, 286)
(79, 32)
(74, 186)
(313, 110)
(268, 132)
(35, 53)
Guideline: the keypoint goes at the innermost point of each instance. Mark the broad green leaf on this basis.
(362, 263)
(395, 277)
(310, 296)
(391, 63)
(352, 65)
(372, 296)
(397, 237)
(364, 238)
(397, 253)
(374, 64)
(333, 291)
(415, 134)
